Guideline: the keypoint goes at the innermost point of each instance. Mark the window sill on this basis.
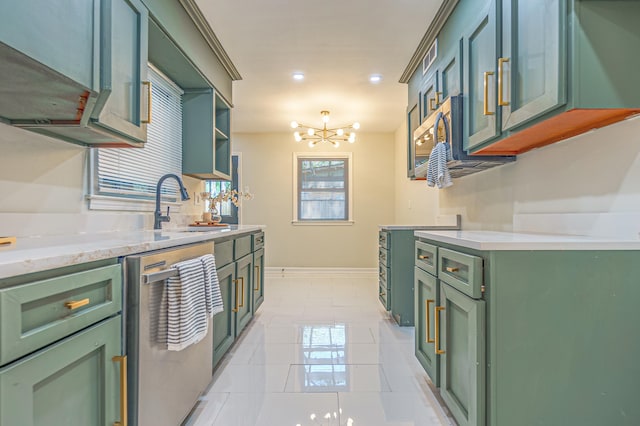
(322, 222)
(105, 202)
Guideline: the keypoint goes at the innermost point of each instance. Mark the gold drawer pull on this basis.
(75, 304)
(149, 106)
(235, 308)
(423, 257)
(437, 329)
(241, 305)
(257, 277)
(429, 339)
(382, 293)
(501, 62)
(485, 102)
(123, 389)
(450, 269)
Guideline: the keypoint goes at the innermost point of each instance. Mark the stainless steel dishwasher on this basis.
(163, 385)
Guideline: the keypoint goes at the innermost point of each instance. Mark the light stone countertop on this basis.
(493, 240)
(417, 227)
(49, 252)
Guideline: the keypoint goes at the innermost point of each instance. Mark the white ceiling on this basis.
(338, 44)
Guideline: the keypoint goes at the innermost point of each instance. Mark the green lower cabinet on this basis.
(426, 299)
(72, 382)
(462, 363)
(224, 323)
(244, 272)
(258, 280)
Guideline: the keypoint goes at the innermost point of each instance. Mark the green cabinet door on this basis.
(258, 280)
(426, 299)
(450, 74)
(244, 272)
(72, 382)
(429, 95)
(224, 323)
(531, 71)
(123, 105)
(462, 365)
(479, 57)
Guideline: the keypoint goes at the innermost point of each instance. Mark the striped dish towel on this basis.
(187, 313)
(212, 289)
(437, 170)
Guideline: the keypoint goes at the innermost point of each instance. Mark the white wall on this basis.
(44, 176)
(267, 169)
(594, 174)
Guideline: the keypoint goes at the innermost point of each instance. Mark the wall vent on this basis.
(430, 56)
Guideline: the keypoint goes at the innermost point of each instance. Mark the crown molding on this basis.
(210, 37)
(446, 8)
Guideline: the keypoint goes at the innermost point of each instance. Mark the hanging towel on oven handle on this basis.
(437, 170)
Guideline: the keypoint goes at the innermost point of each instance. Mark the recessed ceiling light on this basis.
(298, 76)
(375, 78)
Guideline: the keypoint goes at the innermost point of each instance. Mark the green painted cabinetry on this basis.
(61, 347)
(224, 324)
(546, 341)
(206, 144)
(535, 72)
(81, 76)
(240, 266)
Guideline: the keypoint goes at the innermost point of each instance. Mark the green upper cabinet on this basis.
(124, 104)
(429, 95)
(450, 74)
(206, 142)
(479, 77)
(531, 71)
(80, 76)
(534, 73)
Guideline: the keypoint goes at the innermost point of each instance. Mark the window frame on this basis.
(348, 156)
(128, 202)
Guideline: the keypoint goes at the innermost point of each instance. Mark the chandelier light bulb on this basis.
(297, 136)
(311, 132)
(294, 124)
(311, 144)
(339, 132)
(325, 116)
(336, 144)
(356, 125)
(352, 137)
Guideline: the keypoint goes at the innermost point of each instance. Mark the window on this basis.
(126, 178)
(227, 210)
(322, 188)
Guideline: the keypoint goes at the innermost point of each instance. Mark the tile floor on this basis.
(320, 351)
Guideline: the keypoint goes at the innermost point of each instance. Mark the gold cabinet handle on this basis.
(123, 389)
(429, 339)
(486, 93)
(382, 293)
(437, 329)
(235, 308)
(75, 304)
(501, 62)
(149, 106)
(257, 277)
(450, 269)
(423, 257)
(242, 297)
(434, 102)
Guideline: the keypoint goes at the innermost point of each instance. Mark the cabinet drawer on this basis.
(383, 256)
(258, 240)
(383, 239)
(383, 274)
(36, 314)
(426, 257)
(461, 271)
(223, 253)
(383, 295)
(242, 247)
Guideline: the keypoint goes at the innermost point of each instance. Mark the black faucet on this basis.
(159, 218)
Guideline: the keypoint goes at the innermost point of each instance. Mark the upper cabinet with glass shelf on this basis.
(534, 73)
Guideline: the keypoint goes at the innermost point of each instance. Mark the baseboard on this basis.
(284, 271)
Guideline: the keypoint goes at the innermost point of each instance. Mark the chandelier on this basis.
(315, 135)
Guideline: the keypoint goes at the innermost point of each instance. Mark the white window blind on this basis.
(133, 173)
